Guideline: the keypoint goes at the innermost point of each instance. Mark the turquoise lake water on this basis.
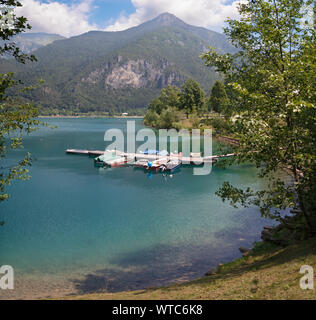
(120, 228)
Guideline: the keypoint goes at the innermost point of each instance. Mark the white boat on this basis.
(106, 156)
(172, 165)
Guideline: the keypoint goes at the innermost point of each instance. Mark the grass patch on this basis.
(269, 272)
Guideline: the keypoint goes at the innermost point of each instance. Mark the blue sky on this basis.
(73, 17)
(104, 11)
(110, 10)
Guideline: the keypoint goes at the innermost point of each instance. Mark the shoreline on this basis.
(225, 139)
(268, 272)
(219, 283)
(228, 140)
(90, 116)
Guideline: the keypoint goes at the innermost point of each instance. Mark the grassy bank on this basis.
(269, 272)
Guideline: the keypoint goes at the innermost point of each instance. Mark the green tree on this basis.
(151, 118)
(158, 113)
(169, 98)
(168, 118)
(218, 100)
(192, 97)
(274, 76)
(16, 117)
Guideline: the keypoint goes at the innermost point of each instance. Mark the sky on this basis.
(73, 17)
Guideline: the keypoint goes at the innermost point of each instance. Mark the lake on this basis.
(76, 228)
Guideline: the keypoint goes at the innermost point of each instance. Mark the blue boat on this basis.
(151, 152)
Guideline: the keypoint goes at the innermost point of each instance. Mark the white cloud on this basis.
(55, 17)
(205, 13)
(73, 19)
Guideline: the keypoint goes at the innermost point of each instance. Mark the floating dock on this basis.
(151, 157)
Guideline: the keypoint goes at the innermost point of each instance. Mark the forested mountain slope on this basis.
(119, 71)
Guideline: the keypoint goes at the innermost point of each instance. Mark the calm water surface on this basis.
(115, 229)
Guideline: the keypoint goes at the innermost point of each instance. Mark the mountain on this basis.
(119, 71)
(29, 42)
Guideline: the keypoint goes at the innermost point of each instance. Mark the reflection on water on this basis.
(118, 228)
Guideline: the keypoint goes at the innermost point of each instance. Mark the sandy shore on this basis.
(34, 288)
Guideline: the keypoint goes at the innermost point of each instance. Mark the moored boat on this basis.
(109, 158)
(115, 162)
(163, 153)
(106, 156)
(172, 165)
(155, 165)
(140, 163)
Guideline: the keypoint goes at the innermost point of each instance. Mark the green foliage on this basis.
(218, 100)
(192, 98)
(151, 118)
(16, 117)
(273, 77)
(166, 110)
(168, 118)
(220, 125)
(169, 98)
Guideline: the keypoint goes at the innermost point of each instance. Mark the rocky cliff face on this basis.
(136, 74)
(133, 73)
